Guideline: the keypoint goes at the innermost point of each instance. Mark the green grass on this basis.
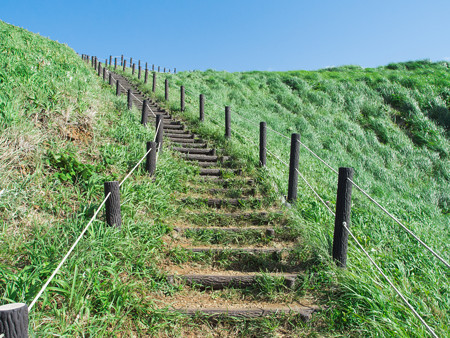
(64, 133)
(389, 123)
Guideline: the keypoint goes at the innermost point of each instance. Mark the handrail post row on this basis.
(182, 98)
(110, 79)
(117, 88)
(121, 60)
(124, 65)
(262, 144)
(115, 63)
(293, 168)
(96, 63)
(113, 216)
(139, 72)
(144, 116)
(343, 209)
(227, 122)
(160, 130)
(166, 89)
(146, 75)
(14, 320)
(154, 82)
(129, 102)
(150, 163)
(202, 107)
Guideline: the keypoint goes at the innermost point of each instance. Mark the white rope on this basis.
(279, 159)
(134, 168)
(68, 253)
(400, 223)
(315, 193)
(245, 138)
(390, 283)
(318, 157)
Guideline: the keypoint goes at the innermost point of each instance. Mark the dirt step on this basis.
(270, 232)
(206, 151)
(304, 312)
(179, 132)
(219, 172)
(218, 282)
(178, 136)
(201, 157)
(173, 126)
(194, 145)
(185, 140)
(219, 202)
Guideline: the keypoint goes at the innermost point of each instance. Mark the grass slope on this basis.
(389, 123)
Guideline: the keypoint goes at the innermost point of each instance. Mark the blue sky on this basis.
(244, 35)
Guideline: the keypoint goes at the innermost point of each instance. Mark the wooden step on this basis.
(219, 172)
(201, 157)
(218, 282)
(194, 145)
(219, 202)
(173, 126)
(178, 136)
(185, 140)
(199, 151)
(269, 232)
(246, 313)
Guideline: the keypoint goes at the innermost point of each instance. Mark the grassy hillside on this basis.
(64, 133)
(392, 125)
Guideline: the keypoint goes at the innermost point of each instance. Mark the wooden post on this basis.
(104, 74)
(166, 89)
(144, 116)
(343, 209)
(117, 88)
(139, 72)
(106, 63)
(110, 79)
(293, 168)
(159, 69)
(99, 69)
(92, 61)
(202, 107)
(262, 144)
(132, 68)
(139, 63)
(113, 217)
(124, 65)
(153, 68)
(14, 320)
(227, 122)
(164, 69)
(150, 163)
(182, 98)
(121, 60)
(146, 76)
(110, 60)
(130, 103)
(174, 70)
(154, 82)
(159, 134)
(146, 66)
(131, 61)
(115, 63)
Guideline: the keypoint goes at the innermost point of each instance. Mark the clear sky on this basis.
(238, 35)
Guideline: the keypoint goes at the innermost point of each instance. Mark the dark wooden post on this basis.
(124, 65)
(115, 63)
(146, 76)
(110, 60)
(202, 107)
(131, 61)
(139, 63)
(99, 69)
(106, 63)
(130, 103)
(182, 98)
(164, 69)
(174, 70)
(110, 79)
(117, 88)
(227, 122)
(121, 60)
(104, 74)
(144, 116)
(293, 168)
(113, 217)
(159, 133)
(153, 68)
(166, 89)
(14, 320)
(154, 82)
(146, 66)
(262, 144)
(132, 68)
(159, 69)
(139, 72)
(150, 163)
(343, 208)
(92, 61)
